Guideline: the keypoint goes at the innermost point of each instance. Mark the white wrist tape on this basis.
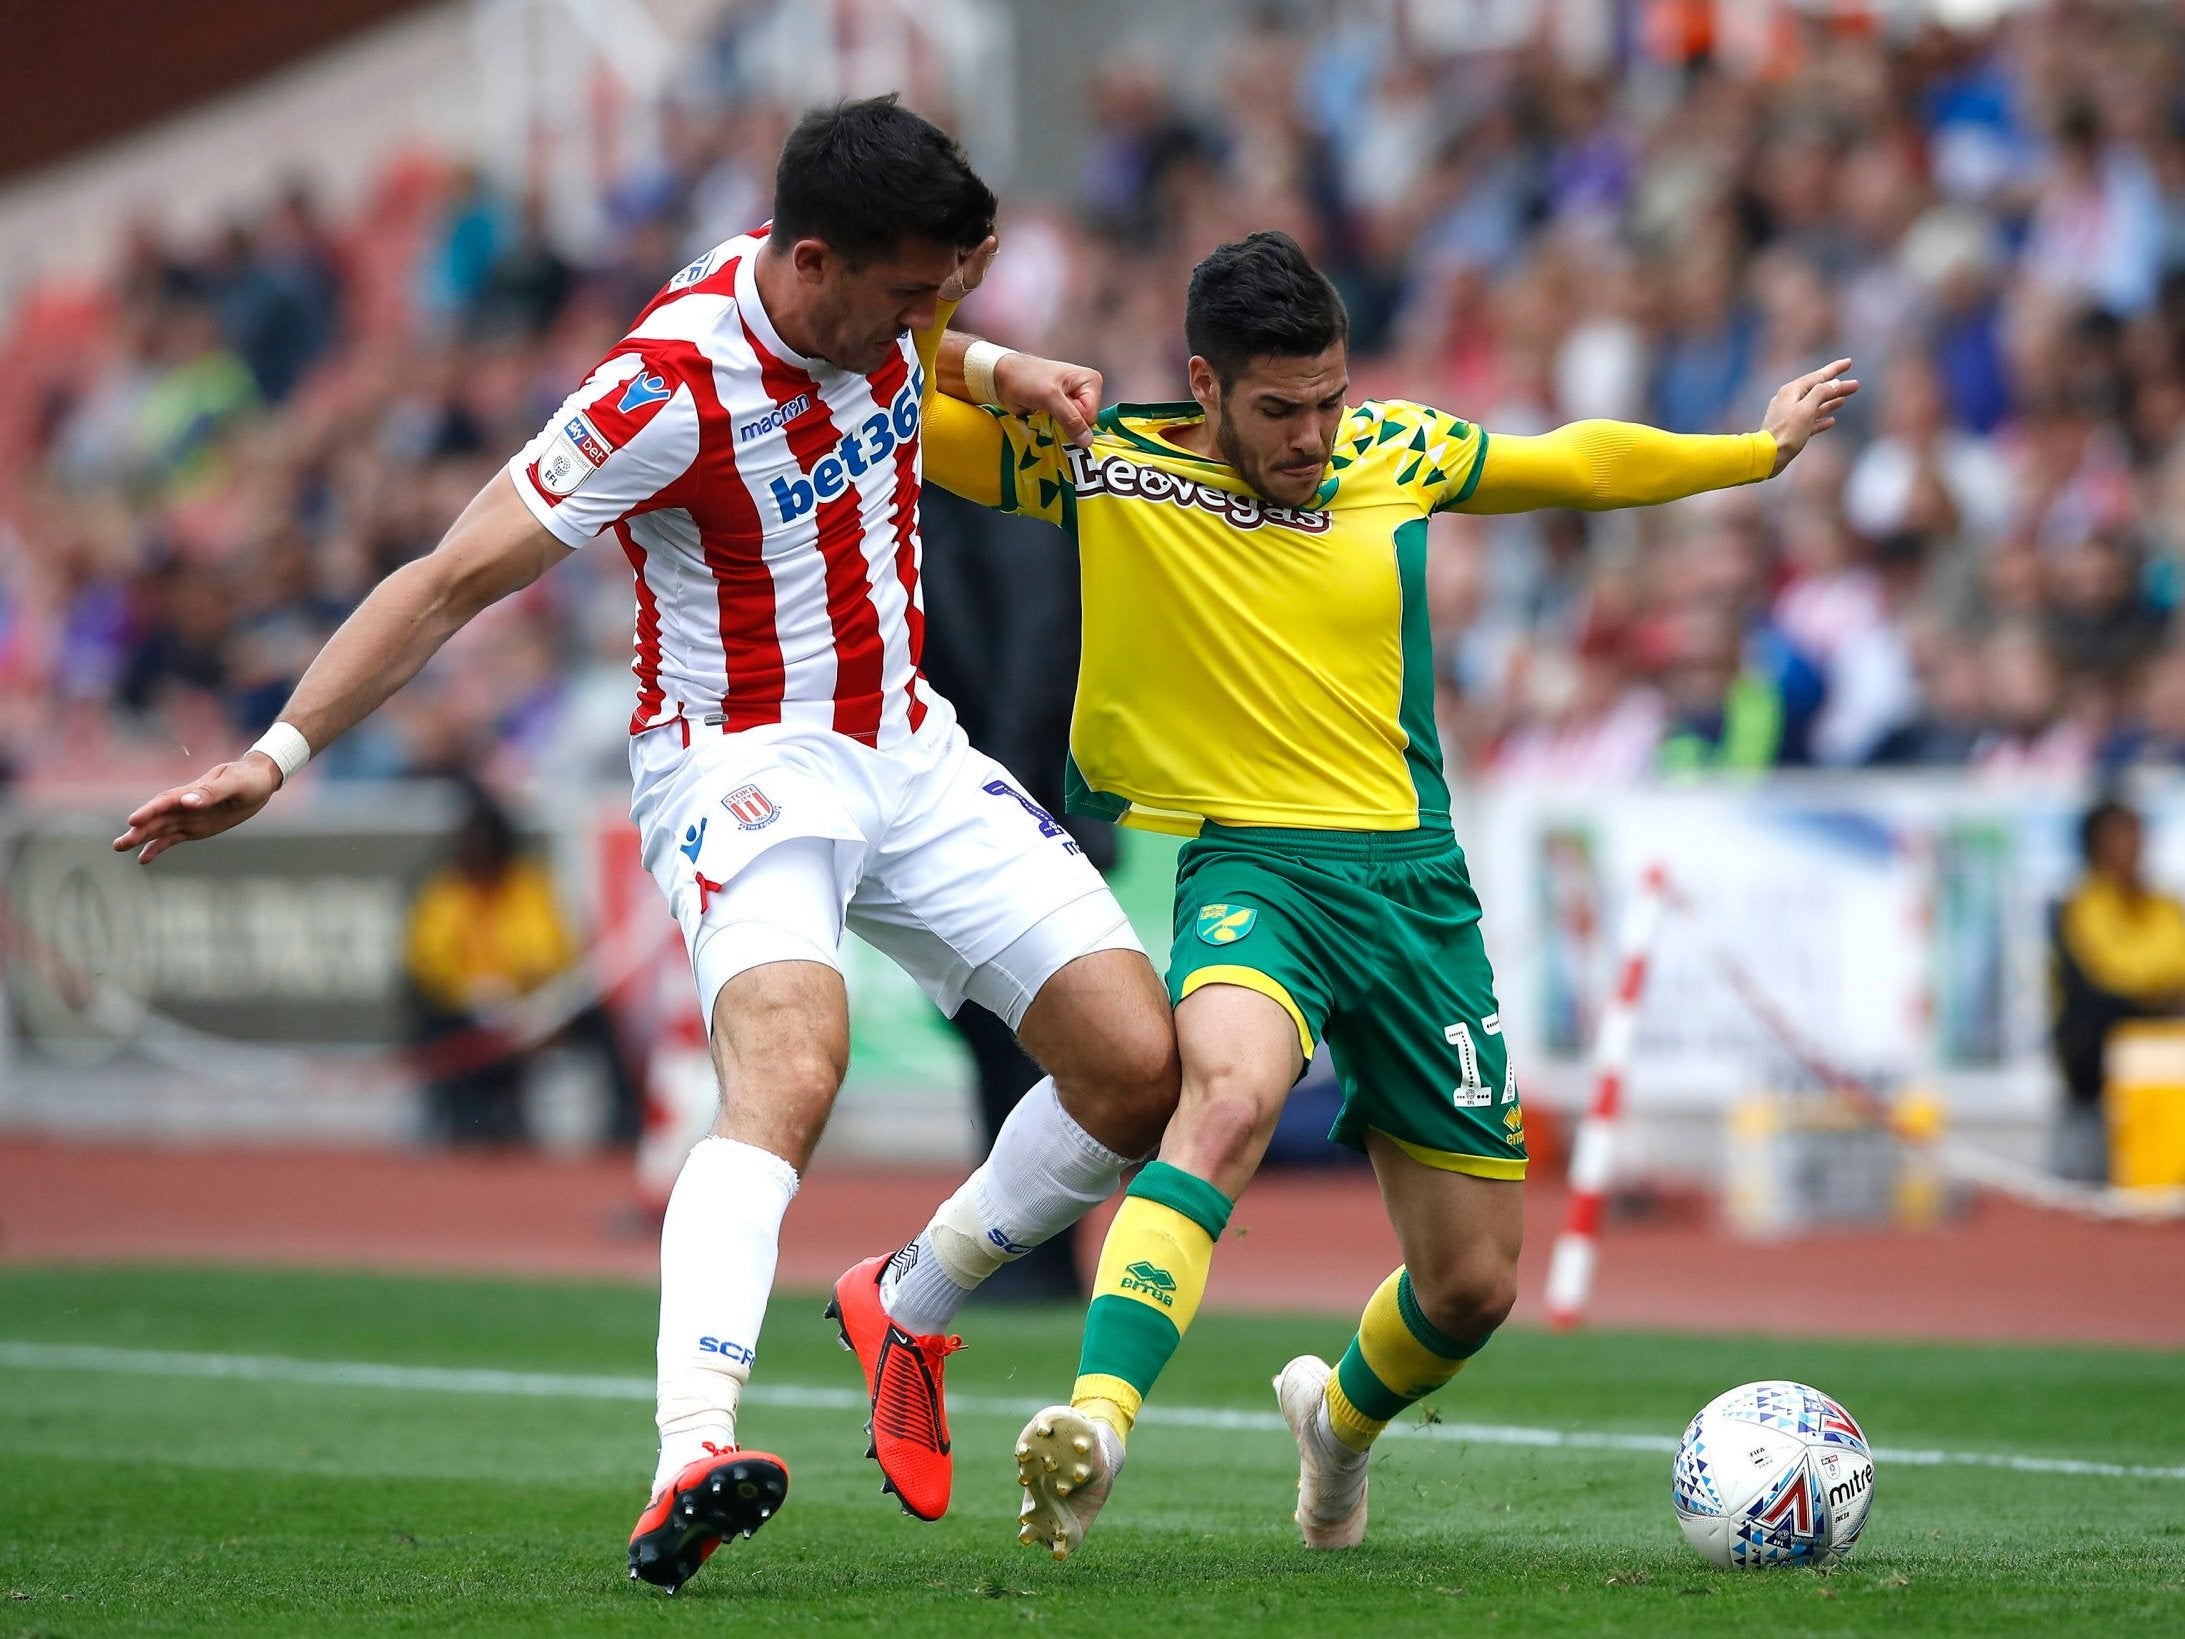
(979, 361)
(285, 744)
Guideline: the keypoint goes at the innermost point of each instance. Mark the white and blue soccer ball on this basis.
(1772, 1473)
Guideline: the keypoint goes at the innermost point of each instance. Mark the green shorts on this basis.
(1369, 940)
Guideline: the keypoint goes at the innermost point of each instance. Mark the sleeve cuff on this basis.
(565, 530)
(1763, 455)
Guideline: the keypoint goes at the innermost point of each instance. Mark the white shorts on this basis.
(770, 842)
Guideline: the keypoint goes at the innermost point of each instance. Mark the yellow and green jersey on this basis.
(1252, 664)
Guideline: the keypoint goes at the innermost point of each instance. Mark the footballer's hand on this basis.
(970, 269)
(1027, 384)
(1804, 407)
(224, 797)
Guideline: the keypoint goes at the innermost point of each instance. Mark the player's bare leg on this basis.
(1240, 1055)
(1102, 1028)
(780, 1046)
(1460, 1237)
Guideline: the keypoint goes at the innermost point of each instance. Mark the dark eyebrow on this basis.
(1275, 403)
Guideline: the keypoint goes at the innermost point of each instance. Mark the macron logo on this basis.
(780, 416)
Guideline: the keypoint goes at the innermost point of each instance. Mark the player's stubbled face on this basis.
(1276, 422)
(859, 312)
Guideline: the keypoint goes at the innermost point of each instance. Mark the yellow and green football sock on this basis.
(1397, 1359)
(1153, 1269)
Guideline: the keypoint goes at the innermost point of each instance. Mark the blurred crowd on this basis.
(1979, 568)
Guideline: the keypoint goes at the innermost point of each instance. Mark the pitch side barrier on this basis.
(1658, 910)
(270, 957)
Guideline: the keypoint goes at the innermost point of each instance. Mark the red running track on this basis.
(1313, 1242)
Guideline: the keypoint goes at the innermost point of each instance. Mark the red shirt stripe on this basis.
(860, 655)
(734, 543)
(887, 381)
(649, 695)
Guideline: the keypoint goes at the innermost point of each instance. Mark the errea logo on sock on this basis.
(1149, 1281)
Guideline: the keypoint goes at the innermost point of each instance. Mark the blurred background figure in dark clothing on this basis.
(1002, 615)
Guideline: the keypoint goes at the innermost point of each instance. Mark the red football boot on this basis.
(909, 1426)
(727, 1493)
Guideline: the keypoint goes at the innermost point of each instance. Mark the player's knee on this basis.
(1126, 1095)
(1222, 1124)
(1469, 1300)
(791, 1073)
(1144, 1072)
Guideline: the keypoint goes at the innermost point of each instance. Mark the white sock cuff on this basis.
(1040, 1118)
(713, 1152)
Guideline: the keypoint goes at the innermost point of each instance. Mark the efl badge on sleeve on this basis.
(574, 454)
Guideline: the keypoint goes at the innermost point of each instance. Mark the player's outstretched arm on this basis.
(1597, 465)
(496, 547)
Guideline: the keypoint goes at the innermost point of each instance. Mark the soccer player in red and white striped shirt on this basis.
(752, 448)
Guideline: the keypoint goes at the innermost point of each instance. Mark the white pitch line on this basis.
(358, 1374)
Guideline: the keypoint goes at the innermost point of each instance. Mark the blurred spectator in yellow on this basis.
(2118, 953)
(486, 930)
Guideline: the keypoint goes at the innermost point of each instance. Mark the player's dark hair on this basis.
(1260, 297)
(2098, 819)
(866, 176)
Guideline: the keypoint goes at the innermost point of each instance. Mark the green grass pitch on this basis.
(143, 1495)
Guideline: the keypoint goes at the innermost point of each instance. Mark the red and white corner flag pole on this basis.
(1570, 1267)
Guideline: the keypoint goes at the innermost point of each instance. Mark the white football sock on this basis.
(717, 1250)
(1044, 1174)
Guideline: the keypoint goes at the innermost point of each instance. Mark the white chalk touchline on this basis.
(358, 1374)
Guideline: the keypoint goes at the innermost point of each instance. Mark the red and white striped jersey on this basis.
(768, 504)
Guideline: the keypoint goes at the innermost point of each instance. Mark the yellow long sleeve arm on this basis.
(1596, 465)
(965, 451)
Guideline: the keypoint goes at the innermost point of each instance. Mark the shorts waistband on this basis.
(1425, 842)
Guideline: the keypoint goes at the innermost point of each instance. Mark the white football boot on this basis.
(1331, 1478)
(1067, 1463)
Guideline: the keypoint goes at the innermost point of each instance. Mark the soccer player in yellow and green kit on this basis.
(1257, 675)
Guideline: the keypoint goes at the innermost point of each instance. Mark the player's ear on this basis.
(1205, 385)
(812, 258)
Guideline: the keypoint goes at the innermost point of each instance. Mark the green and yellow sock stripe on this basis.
(1397, 1359)
(1153, 1270)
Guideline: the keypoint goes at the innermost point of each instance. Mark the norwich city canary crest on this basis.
(1225, 924)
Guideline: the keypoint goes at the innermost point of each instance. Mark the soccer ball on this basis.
(1772, 1474)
